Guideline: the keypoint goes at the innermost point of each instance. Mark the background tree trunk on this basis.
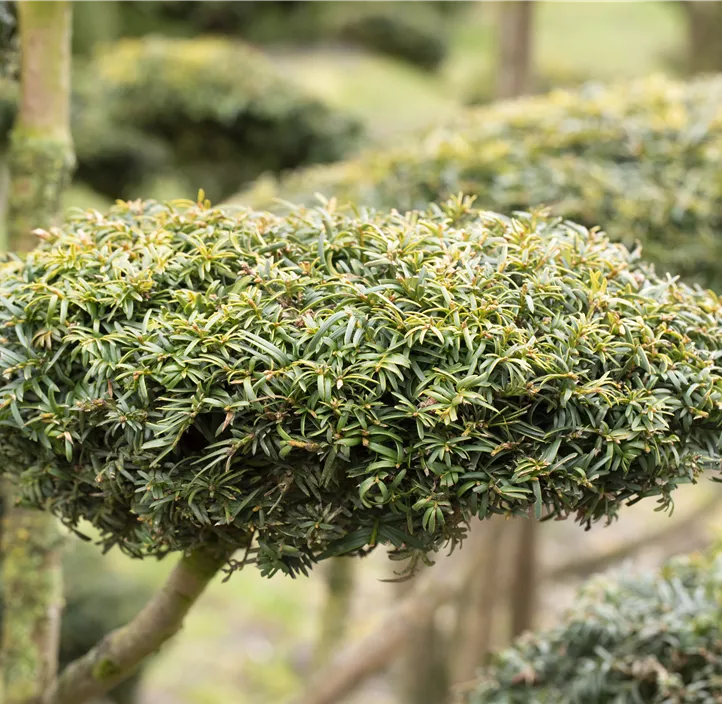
(339, 576)
(704, 35)
(479, 601)
(40, 161)
(525, 585)
(514, 69)
(423, 675)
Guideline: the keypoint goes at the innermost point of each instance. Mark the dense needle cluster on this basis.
(652, 638)
(322, 383)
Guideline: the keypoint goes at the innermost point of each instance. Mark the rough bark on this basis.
(32, 603)
(514, 69)
(41, 153)
(704, 30)
(525, 584)
(40, 161)
(339, 577)
(122, 650)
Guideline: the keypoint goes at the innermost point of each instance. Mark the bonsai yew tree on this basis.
(243, 388)
(650, 638)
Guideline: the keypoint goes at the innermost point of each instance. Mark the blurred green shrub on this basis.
(409, 33)
(654, 639)
(207, 112)
(9, 50)
(298, 21)
(264, 21)
(319, 384)
(640, 159)
(211, 112)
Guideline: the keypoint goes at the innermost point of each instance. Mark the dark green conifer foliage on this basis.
(317, 384)
(653, 638)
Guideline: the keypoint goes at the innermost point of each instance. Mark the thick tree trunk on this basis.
(479, 602)
(423, 670)
(525, 585)
(339, 577)
(704, 35)
(121, 651)
(32, 602)
(41, 152)
(514, 70)
(40, 160)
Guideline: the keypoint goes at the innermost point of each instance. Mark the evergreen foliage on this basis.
(215, 112)
(653, 638)
(640, 159)
(321, 383)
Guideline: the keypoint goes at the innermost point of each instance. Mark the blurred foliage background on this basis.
(170, 97)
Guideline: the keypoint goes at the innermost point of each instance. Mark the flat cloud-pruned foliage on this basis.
(640, 159)
(328, 381)
(653, 638)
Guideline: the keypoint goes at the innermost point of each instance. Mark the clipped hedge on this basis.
(321, 383)
(218, 112)
(641, 159)
(653, 638)
(412, 33)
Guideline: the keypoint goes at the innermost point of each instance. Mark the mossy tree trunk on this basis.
(122, 651)
(40, 162)
(514, 59)
(32, 601)
(41, 152)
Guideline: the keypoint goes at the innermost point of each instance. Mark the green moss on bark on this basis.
(31, 594)
(41, 168)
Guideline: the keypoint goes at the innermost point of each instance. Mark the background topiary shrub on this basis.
(642, 159)
(652, 638)
(183, 376)
(219, 111)
(407, 33)
(206, 110)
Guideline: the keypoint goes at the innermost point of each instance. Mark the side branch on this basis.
(122, 650)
